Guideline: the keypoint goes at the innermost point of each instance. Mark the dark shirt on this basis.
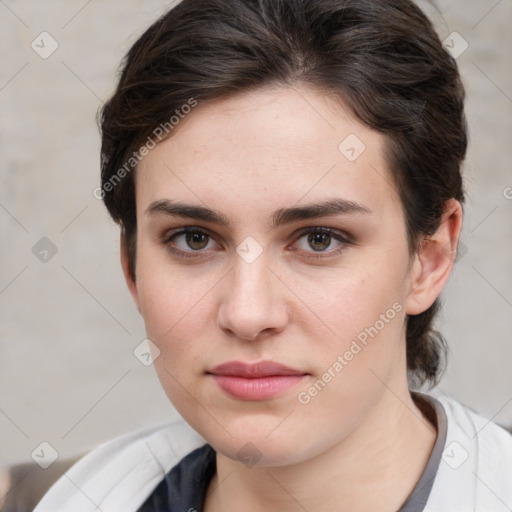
(184, 487)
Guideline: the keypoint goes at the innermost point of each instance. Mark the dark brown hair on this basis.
(383, 58)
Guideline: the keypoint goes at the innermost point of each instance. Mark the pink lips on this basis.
(256, 381)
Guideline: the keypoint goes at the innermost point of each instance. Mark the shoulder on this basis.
(119, 475)
(492, 442)
(476, 467)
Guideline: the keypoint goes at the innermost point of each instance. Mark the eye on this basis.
(189, 240)
(322, 240)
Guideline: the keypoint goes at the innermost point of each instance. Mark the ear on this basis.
(433, 262)
(130, 280)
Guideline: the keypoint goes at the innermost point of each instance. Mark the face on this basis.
(269, 229)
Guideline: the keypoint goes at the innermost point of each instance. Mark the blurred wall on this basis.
(68, 328)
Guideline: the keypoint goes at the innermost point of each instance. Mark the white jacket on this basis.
(475, 473)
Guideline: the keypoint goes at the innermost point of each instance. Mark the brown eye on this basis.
(189, 240)
(319, 241)
(197, 240)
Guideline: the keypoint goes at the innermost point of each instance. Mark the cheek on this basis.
(179, 317)
(364, 351)
(167, 293)
(175, 312)
(353, 297)
(364, 312)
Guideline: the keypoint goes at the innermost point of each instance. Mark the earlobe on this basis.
(125, 264)
(434, 261)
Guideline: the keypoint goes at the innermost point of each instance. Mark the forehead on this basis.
(269, 148)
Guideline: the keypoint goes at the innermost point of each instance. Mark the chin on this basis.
(254, 441)
(260, 452)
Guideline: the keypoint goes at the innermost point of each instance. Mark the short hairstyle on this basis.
(382, 57)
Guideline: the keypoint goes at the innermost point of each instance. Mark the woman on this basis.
(287, 179)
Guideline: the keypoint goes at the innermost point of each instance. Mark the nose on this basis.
(253, 301)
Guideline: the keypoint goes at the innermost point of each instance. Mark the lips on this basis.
(255, 381)
(254, 370)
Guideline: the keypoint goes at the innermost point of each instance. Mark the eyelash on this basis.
(335, 235)
(343, 240)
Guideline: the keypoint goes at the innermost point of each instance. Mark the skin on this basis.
(5, 486)
(359, 444)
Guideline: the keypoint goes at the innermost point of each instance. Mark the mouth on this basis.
(255, 381)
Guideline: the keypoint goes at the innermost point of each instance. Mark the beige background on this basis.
(68, 327)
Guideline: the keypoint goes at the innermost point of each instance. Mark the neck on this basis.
(375, 468)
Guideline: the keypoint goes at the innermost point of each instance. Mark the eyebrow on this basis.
(327, 208)
(280, 217)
